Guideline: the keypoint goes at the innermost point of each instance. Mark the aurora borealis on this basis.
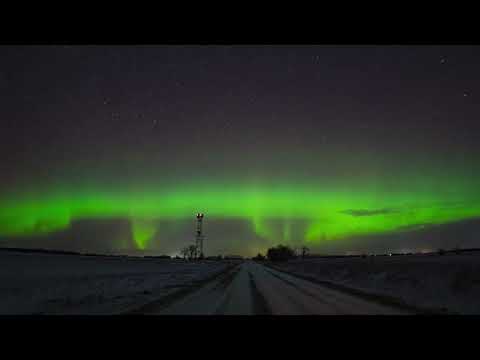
(328, 214)
(312, 145)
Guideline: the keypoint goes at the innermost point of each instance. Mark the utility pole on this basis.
(199, 236)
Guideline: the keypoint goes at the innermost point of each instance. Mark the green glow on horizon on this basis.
(331, 212)
(143, 231)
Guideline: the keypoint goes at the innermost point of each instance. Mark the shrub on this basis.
(259, 257)
(280, 253)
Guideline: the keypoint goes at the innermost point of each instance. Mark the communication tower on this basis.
(199, 236)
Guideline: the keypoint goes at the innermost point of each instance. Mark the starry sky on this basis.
(345, 149)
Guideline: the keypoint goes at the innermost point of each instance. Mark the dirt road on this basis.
(254, 289)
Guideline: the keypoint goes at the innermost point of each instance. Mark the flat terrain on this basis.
(253, 289)
(36, 283)
(443, 284)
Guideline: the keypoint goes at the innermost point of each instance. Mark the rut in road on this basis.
(260, 305)
(290, 295)
(306, 292)
(253, 289)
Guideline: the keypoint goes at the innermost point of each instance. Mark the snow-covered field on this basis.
(36, 283)
(450, 282)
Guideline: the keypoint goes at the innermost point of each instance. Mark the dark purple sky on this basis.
(128, 113)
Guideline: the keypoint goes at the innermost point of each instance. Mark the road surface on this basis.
(253, 289)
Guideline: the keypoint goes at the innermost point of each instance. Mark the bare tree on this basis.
(192, 251)
(185, 251)
(304, 251)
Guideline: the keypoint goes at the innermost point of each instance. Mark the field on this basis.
(448, 283)
(36, 283)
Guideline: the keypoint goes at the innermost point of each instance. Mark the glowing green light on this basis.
(143, 231)
(329, 212)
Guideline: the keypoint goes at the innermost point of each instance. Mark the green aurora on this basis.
(328, 212)
(110, 149)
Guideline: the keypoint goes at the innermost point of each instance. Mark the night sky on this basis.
(344, 149)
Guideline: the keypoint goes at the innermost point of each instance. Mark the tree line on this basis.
(281, 253)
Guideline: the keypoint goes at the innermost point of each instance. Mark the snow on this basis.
(36, 283)
(449, 282)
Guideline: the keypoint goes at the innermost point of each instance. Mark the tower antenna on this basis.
(199, 236)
